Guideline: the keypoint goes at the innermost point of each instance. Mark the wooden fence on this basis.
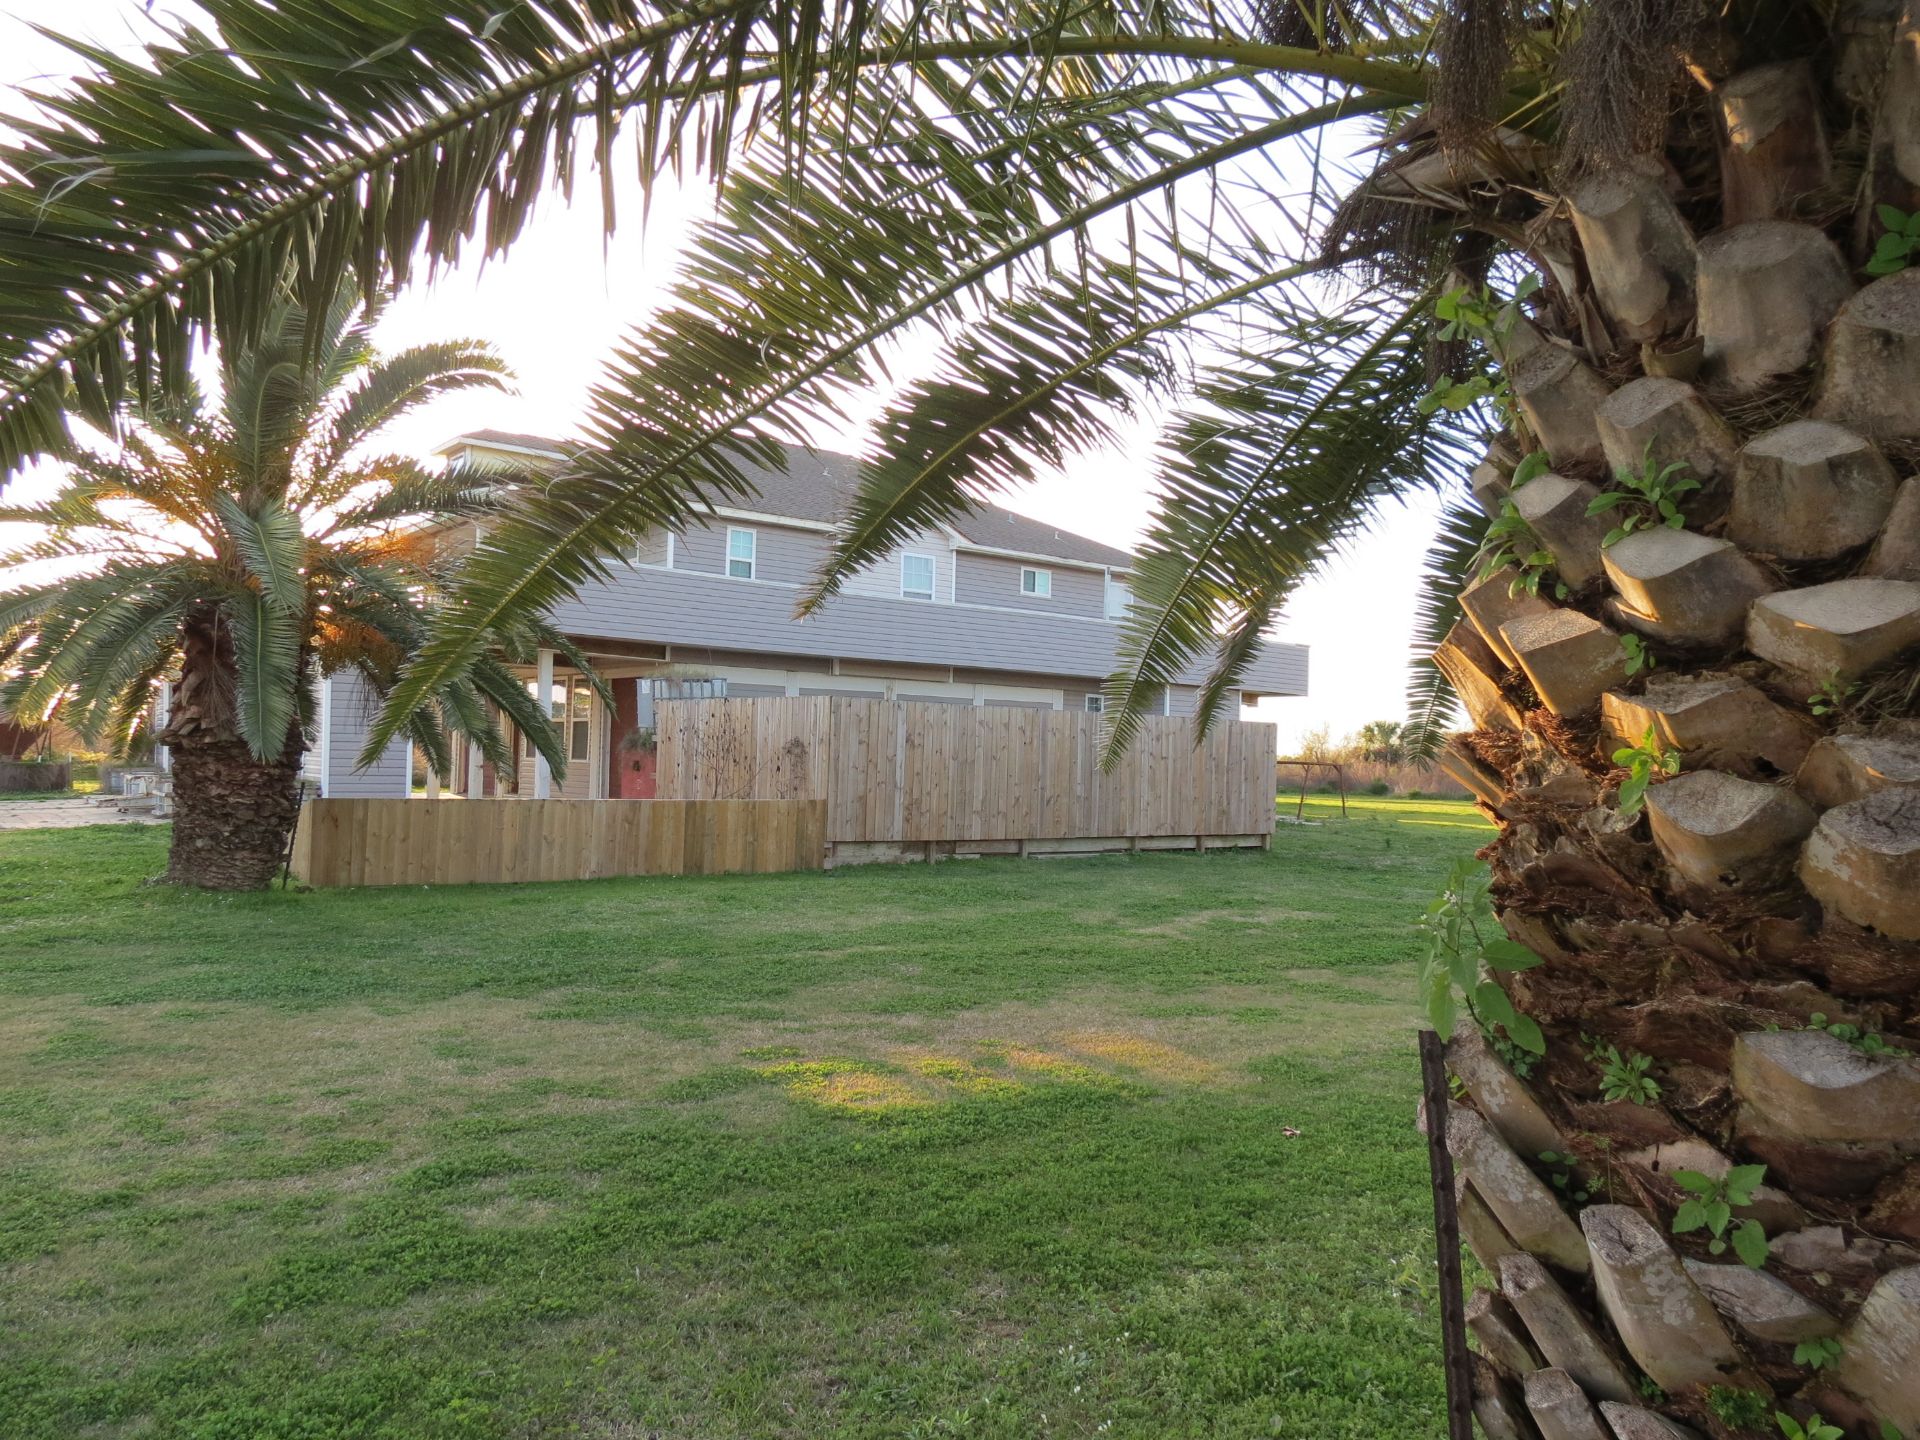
(467, 842)
(905, 773)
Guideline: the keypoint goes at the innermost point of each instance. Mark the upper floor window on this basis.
(1096, 704)
(741, 549)
(1119, 599)
(916, 577)
(1037, 583)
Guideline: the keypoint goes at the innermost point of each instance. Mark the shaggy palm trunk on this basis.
(1713, 311)
(232, 812)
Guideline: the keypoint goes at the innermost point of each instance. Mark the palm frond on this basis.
(1039, 381)
(1293, 445)
(752, 345)
(336, 140)
(509, 695)
(267, 658)
(408, 491)
(1432, 707)
(68, 627)
(273, 547)
(398, 384)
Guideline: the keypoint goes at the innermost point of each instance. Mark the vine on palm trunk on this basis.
(1464, 945)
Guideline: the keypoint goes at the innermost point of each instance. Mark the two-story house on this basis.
(995, 609)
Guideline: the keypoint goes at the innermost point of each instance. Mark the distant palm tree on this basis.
(1629, 246)
(245, 545)
(1382, 740)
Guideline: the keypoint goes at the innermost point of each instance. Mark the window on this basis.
(1119, 598)
(741, 545)
(1096, 704)
(916, 577)
(1037, 583)
(580, 720)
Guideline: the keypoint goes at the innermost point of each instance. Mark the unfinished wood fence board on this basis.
(909, 773)
(464, 842)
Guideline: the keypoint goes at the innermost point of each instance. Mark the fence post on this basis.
(1446, 1239)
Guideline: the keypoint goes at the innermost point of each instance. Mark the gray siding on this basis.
(783, 556)
(351, 709)
(995, 580)
(709, 611)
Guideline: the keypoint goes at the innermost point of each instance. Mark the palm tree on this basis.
(243, 547)
(1626, 250)
(1382, 740)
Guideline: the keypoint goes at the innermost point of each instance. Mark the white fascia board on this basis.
(1034, 557)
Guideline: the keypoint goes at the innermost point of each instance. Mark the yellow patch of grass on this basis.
(847, 1085)
(1139, 1052)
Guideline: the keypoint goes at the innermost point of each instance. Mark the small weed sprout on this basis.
(1867, 1042)
(1650, 498)
(1469, 314)
(1465, 944)
(1710, 1205)
(1642, 762)
(1510, 541)
(1560, 1175)
(1894, 250)
(1639, 654)
(1832, 696)
(1814, 1429)
(1817, 1354)
(1625, 1077)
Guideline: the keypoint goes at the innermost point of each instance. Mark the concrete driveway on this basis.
(64, 812)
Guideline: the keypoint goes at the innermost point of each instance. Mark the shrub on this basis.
(1416, 794)
(1379, 787)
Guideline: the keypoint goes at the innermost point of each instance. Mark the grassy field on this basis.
(1108, 1147)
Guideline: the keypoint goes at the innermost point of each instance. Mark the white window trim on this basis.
(751, 560)
(932, 592)
(1040, 576)
(1096, 704)
(671, 537)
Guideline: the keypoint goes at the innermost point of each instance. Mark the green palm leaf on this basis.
(1294, 444)
(1431, 704)
(273, 546)
(266, 648)
(399, 384)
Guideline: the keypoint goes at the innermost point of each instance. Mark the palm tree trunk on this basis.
(232, 812)
(1753, 932)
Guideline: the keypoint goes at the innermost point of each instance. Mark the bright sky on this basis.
(558, 302)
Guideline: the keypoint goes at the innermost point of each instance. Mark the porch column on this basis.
(543, 693)
(475, 780)
(433, 783)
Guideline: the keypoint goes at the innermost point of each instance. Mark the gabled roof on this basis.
(817, 485)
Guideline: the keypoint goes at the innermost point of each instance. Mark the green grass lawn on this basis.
(998, 1148)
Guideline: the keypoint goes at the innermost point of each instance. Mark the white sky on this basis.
(557, 303)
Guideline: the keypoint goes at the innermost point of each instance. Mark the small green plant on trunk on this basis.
(1624, 1076)
(1464, 946)
(1710, 1204)
(1650, 497)
(1814, 1429)
(1867, 1042)
(1642, 762)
